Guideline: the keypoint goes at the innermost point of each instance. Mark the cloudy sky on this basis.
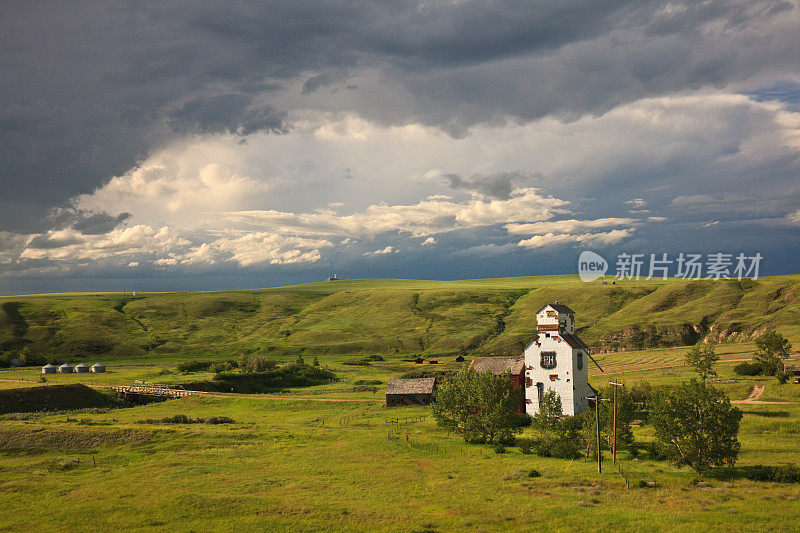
(174, 145)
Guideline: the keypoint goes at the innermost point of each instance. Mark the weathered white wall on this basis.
(572, 383)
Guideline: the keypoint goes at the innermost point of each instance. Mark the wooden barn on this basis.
(514, 366)
(417, 391)
(459, 359)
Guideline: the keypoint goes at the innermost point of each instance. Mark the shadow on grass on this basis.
(785, 473)
(769, 414)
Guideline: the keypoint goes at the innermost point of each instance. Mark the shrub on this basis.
(697, 426)
(356, 362)
(219, 420)
(534, 473)
(549, 411)
(771, 349)
(748, 369)
(499, 448)
(256, 363)
(525, 446)
(220, 366)
(481, 407)
(194, 366)
(782, 376)
(68, 464)
(788, 473)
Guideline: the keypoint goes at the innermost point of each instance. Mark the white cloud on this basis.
(794, 217)
(595, 239)
(387, 250)
(567, 226)
(421, 219)
(657, 219)
(428, 242)
(270, 248)
(133, 264)
(71, 246)
(709, 224)
(636, 203)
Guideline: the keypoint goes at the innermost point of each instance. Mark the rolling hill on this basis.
(394, 318)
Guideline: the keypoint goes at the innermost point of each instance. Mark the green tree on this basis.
(771, 349)
(702, 359)
(481, 407)
(549, 411)
(316, 361)
(696, 425)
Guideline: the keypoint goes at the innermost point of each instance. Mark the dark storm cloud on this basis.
(231, 113)
(90, 88)
(99, 223)
(498, 185)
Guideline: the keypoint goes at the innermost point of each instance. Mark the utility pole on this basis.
(597, 426)
(614, 447)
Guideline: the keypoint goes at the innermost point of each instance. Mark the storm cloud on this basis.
(648, 100)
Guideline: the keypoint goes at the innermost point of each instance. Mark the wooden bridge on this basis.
(154, 389)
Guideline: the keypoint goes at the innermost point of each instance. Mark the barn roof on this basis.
(561, 308)
(574, 341)
(410, 386)
(498, 365)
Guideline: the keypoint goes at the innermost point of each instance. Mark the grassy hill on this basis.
(395, 318)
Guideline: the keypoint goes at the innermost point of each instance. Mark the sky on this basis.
(233, 145)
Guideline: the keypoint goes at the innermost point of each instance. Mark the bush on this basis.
(357, 362)
(782, 376)
(534, 473)
(564, 441)
(749, 369)
(697, 426)
(499, 448)
(525, 446)
(256, 363)
(788, 473)
(480, 407)
(220, 366)
(194, 366)
(219, 420)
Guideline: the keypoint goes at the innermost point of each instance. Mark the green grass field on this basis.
(299, 460)
(394, 318)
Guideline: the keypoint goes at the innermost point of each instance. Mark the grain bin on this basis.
(49, 369)
(66, 368)
(81, 368)
(98, 367)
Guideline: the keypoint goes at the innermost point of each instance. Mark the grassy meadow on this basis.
(331, 458)
(393, 318)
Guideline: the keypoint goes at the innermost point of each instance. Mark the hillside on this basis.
(395, 318)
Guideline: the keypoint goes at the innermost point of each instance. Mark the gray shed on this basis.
(81, 368)
(49, 369)
(98, 367)
(417, 391)
(66, 368)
